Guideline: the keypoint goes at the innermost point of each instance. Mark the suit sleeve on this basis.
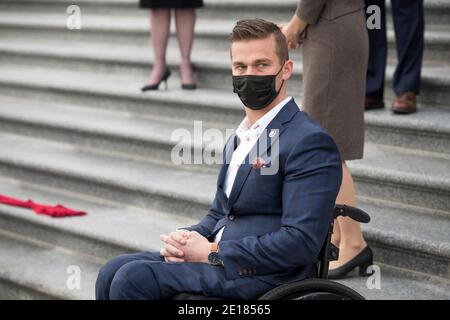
(209, 221)
(313, 174)
(310, 10)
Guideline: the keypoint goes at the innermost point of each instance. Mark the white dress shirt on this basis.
(248, 137)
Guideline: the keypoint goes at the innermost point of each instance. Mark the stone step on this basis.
(33, 269)
(427, 130)
(124, 134)
(109, 229)
(395, 231)
(19, 281)
(114, 143)
(212, 68)
(174, 192)
(400, 284)
(403, 175)
(55, 244)
(121, 93)
(437, 12)
(151, 140)
(430, 127)
(104, 175)
(210, 33)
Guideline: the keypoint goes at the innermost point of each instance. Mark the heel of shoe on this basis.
(363, 269)
(166, 77)
(189, 86)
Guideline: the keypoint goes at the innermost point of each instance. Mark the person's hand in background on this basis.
(293, 31)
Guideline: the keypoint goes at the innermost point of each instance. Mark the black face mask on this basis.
(257, 92)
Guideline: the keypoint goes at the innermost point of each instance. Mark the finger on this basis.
(174, 259)
(169, 240)
(184, 233)
(173, 251)
(178, 238)
(173, 243)
(164, 253)
(176, 235)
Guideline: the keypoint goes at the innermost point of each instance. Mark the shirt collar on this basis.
(259, 126)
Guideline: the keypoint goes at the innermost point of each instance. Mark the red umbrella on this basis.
(57, 211)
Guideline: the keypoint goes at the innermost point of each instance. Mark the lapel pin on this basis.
(272, 133)
(258, 163)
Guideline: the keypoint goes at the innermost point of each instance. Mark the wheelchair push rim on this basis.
(312, 289)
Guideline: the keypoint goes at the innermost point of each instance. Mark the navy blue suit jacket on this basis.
(276, 224)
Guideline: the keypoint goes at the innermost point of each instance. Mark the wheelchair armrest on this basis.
(352, 212)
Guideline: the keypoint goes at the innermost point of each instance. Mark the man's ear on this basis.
(288, 69)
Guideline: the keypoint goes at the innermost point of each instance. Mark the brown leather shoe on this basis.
(372, 104)
(405, 103)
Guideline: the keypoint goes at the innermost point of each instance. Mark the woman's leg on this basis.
(336, 237)
(350, 238)
(159, 29)
(185, 23)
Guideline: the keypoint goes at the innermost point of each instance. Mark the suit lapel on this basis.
(263, 145)
(230, 146)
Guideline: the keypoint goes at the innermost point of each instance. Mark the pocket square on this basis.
(259, 163)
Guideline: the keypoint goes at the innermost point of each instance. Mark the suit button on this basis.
(231, 217)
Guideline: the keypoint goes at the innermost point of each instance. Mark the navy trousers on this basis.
(409, 29)
(146, 276)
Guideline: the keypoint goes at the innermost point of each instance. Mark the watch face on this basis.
(214, 258)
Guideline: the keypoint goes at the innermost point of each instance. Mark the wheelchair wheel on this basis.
(312, 289)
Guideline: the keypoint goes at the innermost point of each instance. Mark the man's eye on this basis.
(262, 65)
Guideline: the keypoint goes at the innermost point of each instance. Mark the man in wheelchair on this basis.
(275, 197)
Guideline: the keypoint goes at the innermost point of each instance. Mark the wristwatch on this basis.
(214, 256)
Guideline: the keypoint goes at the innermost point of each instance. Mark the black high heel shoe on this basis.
(189, 86)
(164, 78)
(363, 260)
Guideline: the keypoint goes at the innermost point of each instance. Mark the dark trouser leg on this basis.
(377, 54)
(409, 33)
(108, 271)
(146, 280)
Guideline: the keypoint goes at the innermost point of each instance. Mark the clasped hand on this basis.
(185, 246)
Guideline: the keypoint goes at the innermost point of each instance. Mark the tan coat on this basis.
(335, 56)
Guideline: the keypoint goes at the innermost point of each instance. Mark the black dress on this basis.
(170, 4)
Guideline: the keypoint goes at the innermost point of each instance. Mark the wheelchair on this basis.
(319, 288)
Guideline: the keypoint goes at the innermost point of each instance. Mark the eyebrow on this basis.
(263, 61)
(238, 63)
